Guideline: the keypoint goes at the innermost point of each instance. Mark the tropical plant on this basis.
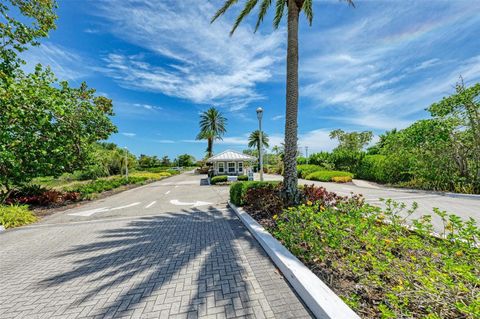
(254, 141)
(212, 127)
(293, 8)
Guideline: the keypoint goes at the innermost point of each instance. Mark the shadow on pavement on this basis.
(179, 262)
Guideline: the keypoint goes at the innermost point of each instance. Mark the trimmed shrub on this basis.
(243, 178)
(16, 215)
(327, 176)
(342, 179)
(238, 190)
(218, 179)
(305, 170)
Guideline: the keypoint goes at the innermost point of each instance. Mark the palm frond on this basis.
(350, 2)
(246, 10)
(223, 9)
(280, 8)
(307, 8)
(263, 11)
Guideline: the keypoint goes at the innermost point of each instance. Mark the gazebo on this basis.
(230, 163)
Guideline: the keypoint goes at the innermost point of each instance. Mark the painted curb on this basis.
(320, 299)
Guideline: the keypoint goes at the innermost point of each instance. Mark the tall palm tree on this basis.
(293, 8)
(212, 127)
(254, 141)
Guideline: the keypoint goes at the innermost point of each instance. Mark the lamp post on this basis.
(306, 153)
(260, 148)
(126, 163)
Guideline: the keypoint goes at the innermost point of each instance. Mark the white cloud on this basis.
(65, 63)
(165, 141)
(128, 134)
(277, 117)
(383, 70)
(206, 65)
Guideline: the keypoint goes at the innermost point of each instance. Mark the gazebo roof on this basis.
(230, 155)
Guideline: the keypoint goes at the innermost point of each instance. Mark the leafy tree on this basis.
(212, 127)
(462, 109)
(145, 161)
(47, 127)
(254, 141)
(353, 141)
(166, 161)
(185, 160)
(293, 8)
(38, 18)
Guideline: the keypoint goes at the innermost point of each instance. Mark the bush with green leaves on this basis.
(373, 168)
(307, 169)
(381, 268)
(16, 215)
(242, 178)
(327, 176)
(218, 179)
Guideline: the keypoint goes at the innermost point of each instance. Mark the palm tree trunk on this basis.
(210, 147)
(290, 181)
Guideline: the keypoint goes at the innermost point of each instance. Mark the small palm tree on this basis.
(212, 127)
(254, 140)
(293, 8)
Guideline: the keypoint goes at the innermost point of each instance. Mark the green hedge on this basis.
(16, 215)
(102, 185)
(373, 168)
(238, 190)
(242, 178)
(327, 176)
(304, 170)
(219, 179)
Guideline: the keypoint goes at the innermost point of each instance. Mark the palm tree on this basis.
(254, 141)
(212, 127)
(294, 7)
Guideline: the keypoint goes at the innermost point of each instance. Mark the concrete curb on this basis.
(320, 299)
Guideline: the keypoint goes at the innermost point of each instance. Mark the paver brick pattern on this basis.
(189, 264)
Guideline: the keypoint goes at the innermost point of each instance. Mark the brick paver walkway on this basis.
(174, 265)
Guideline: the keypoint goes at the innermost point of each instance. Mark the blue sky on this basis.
(373, 67)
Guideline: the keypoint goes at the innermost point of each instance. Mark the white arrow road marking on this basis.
(151, 204)
(194, 204)
(126, 206)
(90, 212)
(167, 193)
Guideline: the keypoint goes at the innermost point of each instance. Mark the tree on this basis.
(212, 127)
(353, 141)
(185, 160)
(17, 34)
(463, 109)
(47, 127)
(254, 141)
(293, 8)
(166, 161)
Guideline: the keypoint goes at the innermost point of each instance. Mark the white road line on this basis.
(151, 204)
(126, 206)
(167, 193)
(194, 204)
(90, 212)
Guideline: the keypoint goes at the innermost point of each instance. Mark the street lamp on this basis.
(306, 153)
(260, 156)
(126, 163)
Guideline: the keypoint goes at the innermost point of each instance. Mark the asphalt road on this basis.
(170, 249)
(465, 207)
